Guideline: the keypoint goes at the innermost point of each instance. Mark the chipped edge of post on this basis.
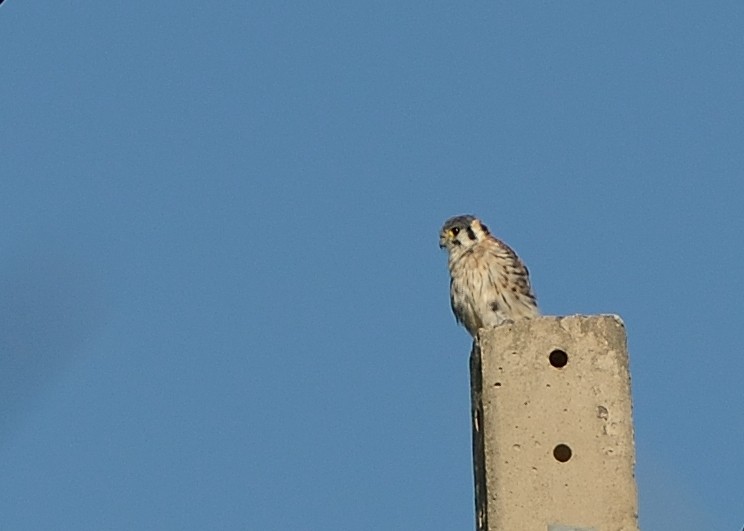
(479, 455)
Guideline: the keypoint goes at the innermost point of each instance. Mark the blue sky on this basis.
(222, 301)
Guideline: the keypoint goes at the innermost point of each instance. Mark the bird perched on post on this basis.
(489, 284)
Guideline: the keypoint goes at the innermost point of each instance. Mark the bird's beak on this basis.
(443, 237)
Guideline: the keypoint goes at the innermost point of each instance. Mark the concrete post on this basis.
(552, 426)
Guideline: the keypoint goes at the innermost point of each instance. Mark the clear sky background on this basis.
(222, 303)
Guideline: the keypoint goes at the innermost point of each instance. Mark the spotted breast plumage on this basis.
(489, 284)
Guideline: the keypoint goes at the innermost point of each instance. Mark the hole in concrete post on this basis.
(562, 453)
(558, 358)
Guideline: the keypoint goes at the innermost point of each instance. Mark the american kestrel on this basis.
(489, 284)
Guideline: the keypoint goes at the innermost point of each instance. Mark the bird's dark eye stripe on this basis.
(471, 234)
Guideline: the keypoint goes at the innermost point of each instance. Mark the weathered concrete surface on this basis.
(525, 408)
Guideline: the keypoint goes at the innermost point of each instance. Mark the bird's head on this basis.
(460, 233)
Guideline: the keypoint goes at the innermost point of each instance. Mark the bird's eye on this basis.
(455, 231)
